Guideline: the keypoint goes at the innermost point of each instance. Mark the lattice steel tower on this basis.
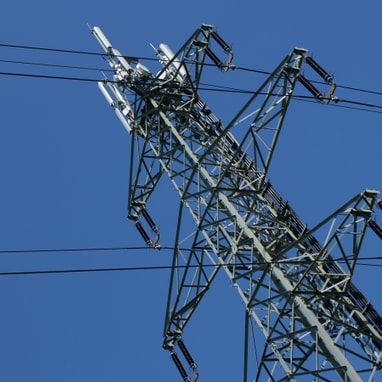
(297, 291)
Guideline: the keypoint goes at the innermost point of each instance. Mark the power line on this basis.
(362, 105)
(136, 58)
(368, 91)
(68, 51)
(40, 48)
(154, 268)
(314, 100)
(87, 270)
(134, 248)
(86, 249)
(300, 98)
(91, 249)
(360, 90)
(297, 97)
(46, 76)
(46, 64)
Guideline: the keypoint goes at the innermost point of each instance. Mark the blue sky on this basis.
(64, 171)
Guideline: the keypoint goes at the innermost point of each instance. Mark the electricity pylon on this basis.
(297, 291)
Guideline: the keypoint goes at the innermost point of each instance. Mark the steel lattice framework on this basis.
(297, 291)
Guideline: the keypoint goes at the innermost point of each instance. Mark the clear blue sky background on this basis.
(64, 161)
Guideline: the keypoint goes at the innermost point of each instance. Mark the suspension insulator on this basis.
(326, 76)
(143, 233)
(214, 58)
(186, 354)
(149, 220)
(180, 367)
(220, 41)
(376, 228)
(310, 87)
